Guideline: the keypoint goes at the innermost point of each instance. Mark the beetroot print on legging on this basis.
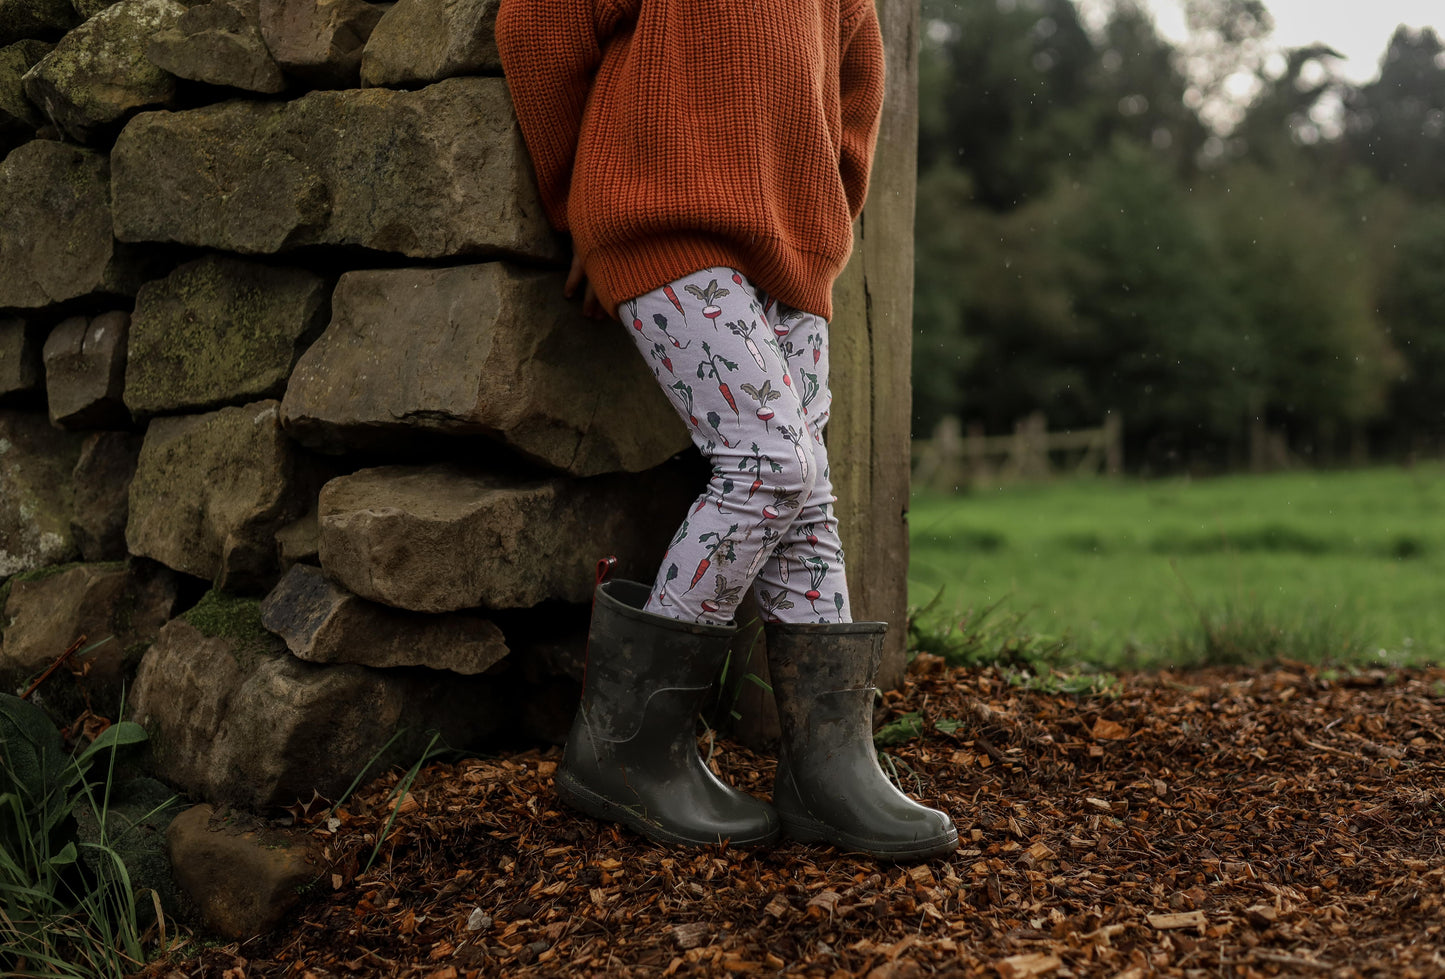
(749, 377)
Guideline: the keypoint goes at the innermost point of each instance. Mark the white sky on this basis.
(1358, 29)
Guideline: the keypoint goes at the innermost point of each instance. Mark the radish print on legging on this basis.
(745, 330)
(768, 530)
(764, 396)
(709, 297)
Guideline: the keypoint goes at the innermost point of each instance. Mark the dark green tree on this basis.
(1412, 303)
(1001, 90)
(1396, 124)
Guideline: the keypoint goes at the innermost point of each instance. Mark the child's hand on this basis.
(591, 307)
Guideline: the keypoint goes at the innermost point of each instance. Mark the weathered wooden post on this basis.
(871, 347)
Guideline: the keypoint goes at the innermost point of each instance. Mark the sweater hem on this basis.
(798, 278)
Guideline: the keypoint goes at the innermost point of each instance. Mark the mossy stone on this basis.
(17, 114)
(36, 493)
(98, 74)
(35, 18)
(238, 619)
(219, 331)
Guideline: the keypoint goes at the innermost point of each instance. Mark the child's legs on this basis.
(805, 581)
(713, 351)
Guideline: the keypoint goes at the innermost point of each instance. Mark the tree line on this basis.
(1101, 229)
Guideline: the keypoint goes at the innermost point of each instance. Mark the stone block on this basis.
(85, 371)
(297, 542)
(507, 357)
(101, 479)
(234, 718)
(322, 622)
(89, 8)
(440, 538)
(118, 608)
(35, 18)
(99, 74)
(55, 228)
(137, 814)
(36, 497)
(20, 365)
(320, 42)
(210, 491)
(17, 114)
(440, 172)
(418, 42)
(219, 43)
(219, 331)
(242, 874)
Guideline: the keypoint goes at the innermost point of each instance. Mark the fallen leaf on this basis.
(1030, 964)
(690, 935)
(1185, 919)
(1262, 915)
(1107, 730)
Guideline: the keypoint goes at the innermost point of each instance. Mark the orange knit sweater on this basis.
(669, 136)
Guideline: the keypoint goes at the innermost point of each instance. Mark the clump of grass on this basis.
(67, 906)
(1274, 538)
(1234, 636)
(983, 541)
(1238, 634)
(1407, 547)
(982, 637)
(994, 637)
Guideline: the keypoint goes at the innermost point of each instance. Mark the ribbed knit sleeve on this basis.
(550, 51)
(860, 82)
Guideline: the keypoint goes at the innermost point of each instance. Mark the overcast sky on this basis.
(1358, 29)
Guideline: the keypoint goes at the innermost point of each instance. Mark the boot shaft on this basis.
(811, 659)
(633, 655)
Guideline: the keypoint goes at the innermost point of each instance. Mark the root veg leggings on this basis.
(749, 376)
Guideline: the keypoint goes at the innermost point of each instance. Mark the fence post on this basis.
(1113, 444)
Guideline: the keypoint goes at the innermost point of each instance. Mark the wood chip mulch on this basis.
(1276, 822)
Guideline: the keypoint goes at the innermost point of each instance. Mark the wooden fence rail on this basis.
(954, 458)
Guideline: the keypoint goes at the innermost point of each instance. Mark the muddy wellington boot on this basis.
(829, 786)
(631, 756)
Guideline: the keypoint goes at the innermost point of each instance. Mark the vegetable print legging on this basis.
(749, 376)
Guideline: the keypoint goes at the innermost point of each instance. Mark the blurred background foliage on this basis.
(1102, 228)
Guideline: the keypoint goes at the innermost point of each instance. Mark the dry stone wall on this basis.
(295, 428)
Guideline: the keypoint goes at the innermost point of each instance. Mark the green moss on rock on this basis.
(221, 616)
(50, 571)
(219, 330)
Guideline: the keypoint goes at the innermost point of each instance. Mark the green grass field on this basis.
(1337, 566)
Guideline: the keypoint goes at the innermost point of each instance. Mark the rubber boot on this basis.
(631, 756)
(829, 786)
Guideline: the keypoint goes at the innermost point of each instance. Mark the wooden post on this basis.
(871, 351)
(1114, 444)
(979, 469)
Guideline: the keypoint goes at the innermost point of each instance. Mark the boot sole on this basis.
(806, 829)
(583, 799)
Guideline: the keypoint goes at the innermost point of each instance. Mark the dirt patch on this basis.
(1216, 823)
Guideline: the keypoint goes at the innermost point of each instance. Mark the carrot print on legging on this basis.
(721, 547)
(762, 522)
(708, 368)
(754, 463)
